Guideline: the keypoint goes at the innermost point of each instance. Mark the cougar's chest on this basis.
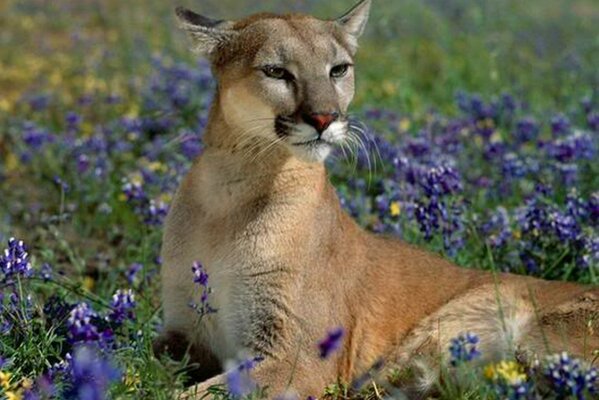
(249, 273)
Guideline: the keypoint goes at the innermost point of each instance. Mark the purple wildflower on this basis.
(463, 349)
(239, 381)
(560, 125)
(440, 181)
(497, 228)
(46, 272)
(331, 343)
(527, 129)
(132, 272)
(80, 325)
(122, 305)
(568, 376)
(151, 211)
(15, 260)
(91, 375)
(200, 277)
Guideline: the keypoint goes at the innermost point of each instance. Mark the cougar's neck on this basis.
(240, 170)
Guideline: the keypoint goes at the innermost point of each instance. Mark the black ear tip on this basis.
(193, 18)
(183, 12)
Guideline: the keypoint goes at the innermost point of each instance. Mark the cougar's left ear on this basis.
(354, 21)
(208, 35)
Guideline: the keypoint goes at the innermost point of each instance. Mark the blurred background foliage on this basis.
(415, 55)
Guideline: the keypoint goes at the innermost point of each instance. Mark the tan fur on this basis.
(286, 263)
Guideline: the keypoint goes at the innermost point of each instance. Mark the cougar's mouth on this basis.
(314, 142)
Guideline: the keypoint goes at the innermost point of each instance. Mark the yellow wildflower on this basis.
(389, 88)
(26, 383)
(55, 78)
(5, 379)
(395, 209)
(165, 198)
(486, 123)
(89, 283)
(132, 379)
(478, 141)
(136, 178)
(157, 166)
(10, 395)
(27, 23)
(87, 128)
(133, 111)
(508, 371)
(517, 234)
(12, 162)
(404, 124)
(5, 105)
(496, 137)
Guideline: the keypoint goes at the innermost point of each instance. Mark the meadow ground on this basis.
(481, 133)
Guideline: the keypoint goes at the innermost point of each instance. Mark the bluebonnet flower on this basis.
(83, 163)
(577, 146)
(437, 212)
(15, 261)
(191, 146)
(497, 228)
(151, 211)
(39, 102)
(568, 376)
(331, 343)
(593, 207)
(200, 277)
(35, 137)
(593, 121)
(441, 181)
(91, 374)
(560, 125)
(122, 305)
(508, 105)
(463, 348)
(61, 369)
(46, 272)
(56, 308)
(80, 324)
(513, 167)
(83, 327)
(527, 130)
(239, 381)
(63, 186)
(156, 212)
(132, 272)
(73, 120)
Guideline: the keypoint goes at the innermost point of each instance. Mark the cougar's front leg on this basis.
(277, 376)
(203, 364)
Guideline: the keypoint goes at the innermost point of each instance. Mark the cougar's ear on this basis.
(207, 35)
(354, 21)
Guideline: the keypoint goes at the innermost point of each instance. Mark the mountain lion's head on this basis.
(282, 79)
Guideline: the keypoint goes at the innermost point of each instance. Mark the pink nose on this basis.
(320, 122)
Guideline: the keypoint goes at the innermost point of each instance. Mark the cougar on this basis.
(286, 263)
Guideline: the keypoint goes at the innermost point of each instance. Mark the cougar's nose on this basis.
(320, 121)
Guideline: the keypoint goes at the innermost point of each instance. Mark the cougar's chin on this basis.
(307, 144)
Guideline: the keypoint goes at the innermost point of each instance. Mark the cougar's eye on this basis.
(339, 71)
(275, 72)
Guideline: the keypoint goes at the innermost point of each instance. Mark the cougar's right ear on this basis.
(207, 35)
